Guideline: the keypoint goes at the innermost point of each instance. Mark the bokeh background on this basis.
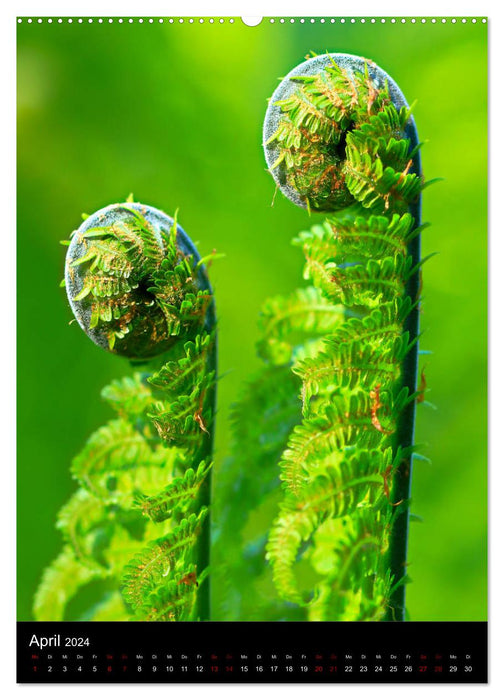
(173, 113)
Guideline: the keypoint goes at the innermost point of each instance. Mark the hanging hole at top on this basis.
(251, 21)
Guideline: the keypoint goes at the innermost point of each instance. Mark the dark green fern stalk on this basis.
(339, 137)
(137, 530)
(401, 487)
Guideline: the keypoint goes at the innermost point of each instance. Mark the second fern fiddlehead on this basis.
(339, 137)
(138, 526)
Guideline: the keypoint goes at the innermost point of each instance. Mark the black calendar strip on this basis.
(252, 652)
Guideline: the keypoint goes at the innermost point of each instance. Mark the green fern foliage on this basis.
(341, 141)
(336, 491)
(324, 511)
(176, 496)
(287, 322)
(146, 572)
(266, 410)
(137, 527)
(340, 464)
(60, 582)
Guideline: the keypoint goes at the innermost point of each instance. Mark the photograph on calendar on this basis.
(252, 330)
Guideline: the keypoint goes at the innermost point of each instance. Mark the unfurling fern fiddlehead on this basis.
(339, 137)
(138, 526)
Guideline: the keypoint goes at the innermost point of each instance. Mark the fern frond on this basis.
(60, 582)
(144, 237)
(112, 454)
(177, 497)
(172, 602)
(79, 521)
(358, 584)
(156, 562)
(307, 110)
(348, 365)
(369, 285)
(381, 324)
(339, 141)
(376, 131)
(339, 424)
(183, 310)
(129, 396)
(176, 376)
(104, 255)
(138, 288)
(270, 397)
(336, 493)
(267, 409)
(183, 421)
(377, 186)
(356, 238)
(288, 322)
(358, 589)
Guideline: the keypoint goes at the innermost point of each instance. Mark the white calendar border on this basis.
(293, 8)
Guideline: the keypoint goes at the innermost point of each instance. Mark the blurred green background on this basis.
(173, 113)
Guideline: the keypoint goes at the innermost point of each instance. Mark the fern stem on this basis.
(203, 604)
(401, 491)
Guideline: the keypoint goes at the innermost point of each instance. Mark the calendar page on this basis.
(252, 349)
